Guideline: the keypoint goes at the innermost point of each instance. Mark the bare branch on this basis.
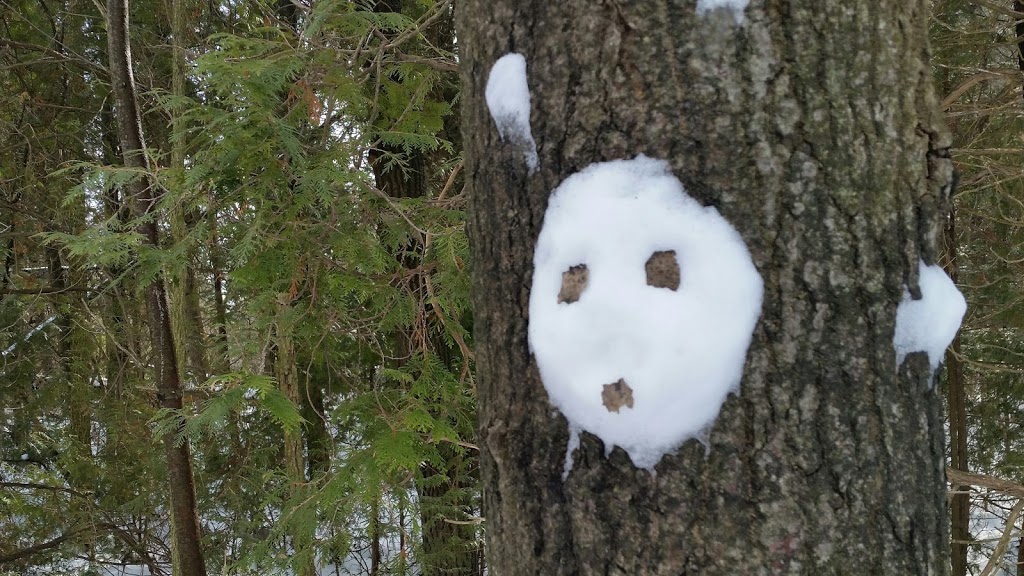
(961, 478)
(996, 560)
(34, 486)
(44, 290)
(41, 547)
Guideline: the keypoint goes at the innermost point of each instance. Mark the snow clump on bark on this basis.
(736, 6)
(642, 308)
(508, 99)
(929, 324)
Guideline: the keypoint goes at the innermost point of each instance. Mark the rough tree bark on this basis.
(188, 557)
(812, 127)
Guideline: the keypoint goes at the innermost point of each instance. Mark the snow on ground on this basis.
(508, 99)
(737, 7)
(642, 307)
(929, 324)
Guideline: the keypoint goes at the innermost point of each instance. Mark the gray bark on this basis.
(813, 129)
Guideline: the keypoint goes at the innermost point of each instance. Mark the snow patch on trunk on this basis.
(508, 99)
(929, 324)
(642, 308)
(737, 7)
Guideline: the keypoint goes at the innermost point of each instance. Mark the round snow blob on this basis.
(931, 323)
(642, 307)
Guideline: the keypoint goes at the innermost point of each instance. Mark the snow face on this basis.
(508, 99)
(642, 307)
(737, 7)
(929, 324)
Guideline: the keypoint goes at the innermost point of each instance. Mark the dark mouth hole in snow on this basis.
(574, 282)
(663, 270)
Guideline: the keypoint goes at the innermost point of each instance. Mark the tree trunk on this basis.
(121, 341)
(188, 557)
(1018, 7)
(812, 127)
(191, 330)
(317, 436)
(222, 361)
(375, 537)
(286, 371)
(956, 399)
(1020, 556)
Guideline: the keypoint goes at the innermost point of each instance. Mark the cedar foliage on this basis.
(273, 215)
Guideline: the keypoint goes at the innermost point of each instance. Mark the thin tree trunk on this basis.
(957, 404)
(317, 436)
(1020, 556)
(184, 517)
(1018, 7)
(223, 359)
(286, 361)
(812, 127)
(285, 368)
(375, 537)
(191, 330)
(190, 326)
(120, 338)
(74, 354)
(402, 554)
(7, 273)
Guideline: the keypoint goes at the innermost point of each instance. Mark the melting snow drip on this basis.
(508, 99)
(642, 308)
(574, 443)
(929, 324)
(737, 7)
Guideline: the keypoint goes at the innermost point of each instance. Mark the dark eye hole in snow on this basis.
(616, 395)
(663, 270)
(574, 282)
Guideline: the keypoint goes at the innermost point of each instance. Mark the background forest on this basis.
(305, 382)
